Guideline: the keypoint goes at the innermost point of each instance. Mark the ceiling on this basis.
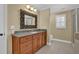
(56, 7)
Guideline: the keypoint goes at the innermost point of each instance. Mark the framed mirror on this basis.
(27, 20)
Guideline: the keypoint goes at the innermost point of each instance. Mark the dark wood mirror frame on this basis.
(22, 25)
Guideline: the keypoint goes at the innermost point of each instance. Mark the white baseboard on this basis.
(62, 40)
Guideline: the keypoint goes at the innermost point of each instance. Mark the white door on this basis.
(2, 29)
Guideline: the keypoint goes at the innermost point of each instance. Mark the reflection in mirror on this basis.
(29, 20)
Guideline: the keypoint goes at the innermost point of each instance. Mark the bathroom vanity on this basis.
(28, 42)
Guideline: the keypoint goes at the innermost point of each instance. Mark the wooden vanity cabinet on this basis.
(28, 44)
(22, 45)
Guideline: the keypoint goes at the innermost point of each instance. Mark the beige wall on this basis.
(44, 19)
(66, 34)
(14, 19)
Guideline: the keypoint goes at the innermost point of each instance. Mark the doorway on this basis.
(3, 41)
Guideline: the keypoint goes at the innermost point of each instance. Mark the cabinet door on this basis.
(40, 40)
(35, 39)
(44, 40)
(15, 45)
(26, 45)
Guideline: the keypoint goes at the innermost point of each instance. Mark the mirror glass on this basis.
(29, 20)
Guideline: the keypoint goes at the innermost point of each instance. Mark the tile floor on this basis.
(57, 48)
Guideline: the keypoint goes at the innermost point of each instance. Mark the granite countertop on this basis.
(27, 32)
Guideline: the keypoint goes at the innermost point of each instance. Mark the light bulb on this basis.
(28, 6)
(35, 10)
(32, 8)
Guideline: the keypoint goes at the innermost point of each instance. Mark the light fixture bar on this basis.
(31, 8)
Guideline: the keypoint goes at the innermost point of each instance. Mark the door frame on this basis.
(5, 26)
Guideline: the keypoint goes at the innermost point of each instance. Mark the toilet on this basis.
(50, 39)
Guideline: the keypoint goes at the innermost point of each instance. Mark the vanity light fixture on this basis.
(31, 8)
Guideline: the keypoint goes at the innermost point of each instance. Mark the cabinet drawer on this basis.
(26, 44)
(26, 51)
(26, 48)
(25, 39)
